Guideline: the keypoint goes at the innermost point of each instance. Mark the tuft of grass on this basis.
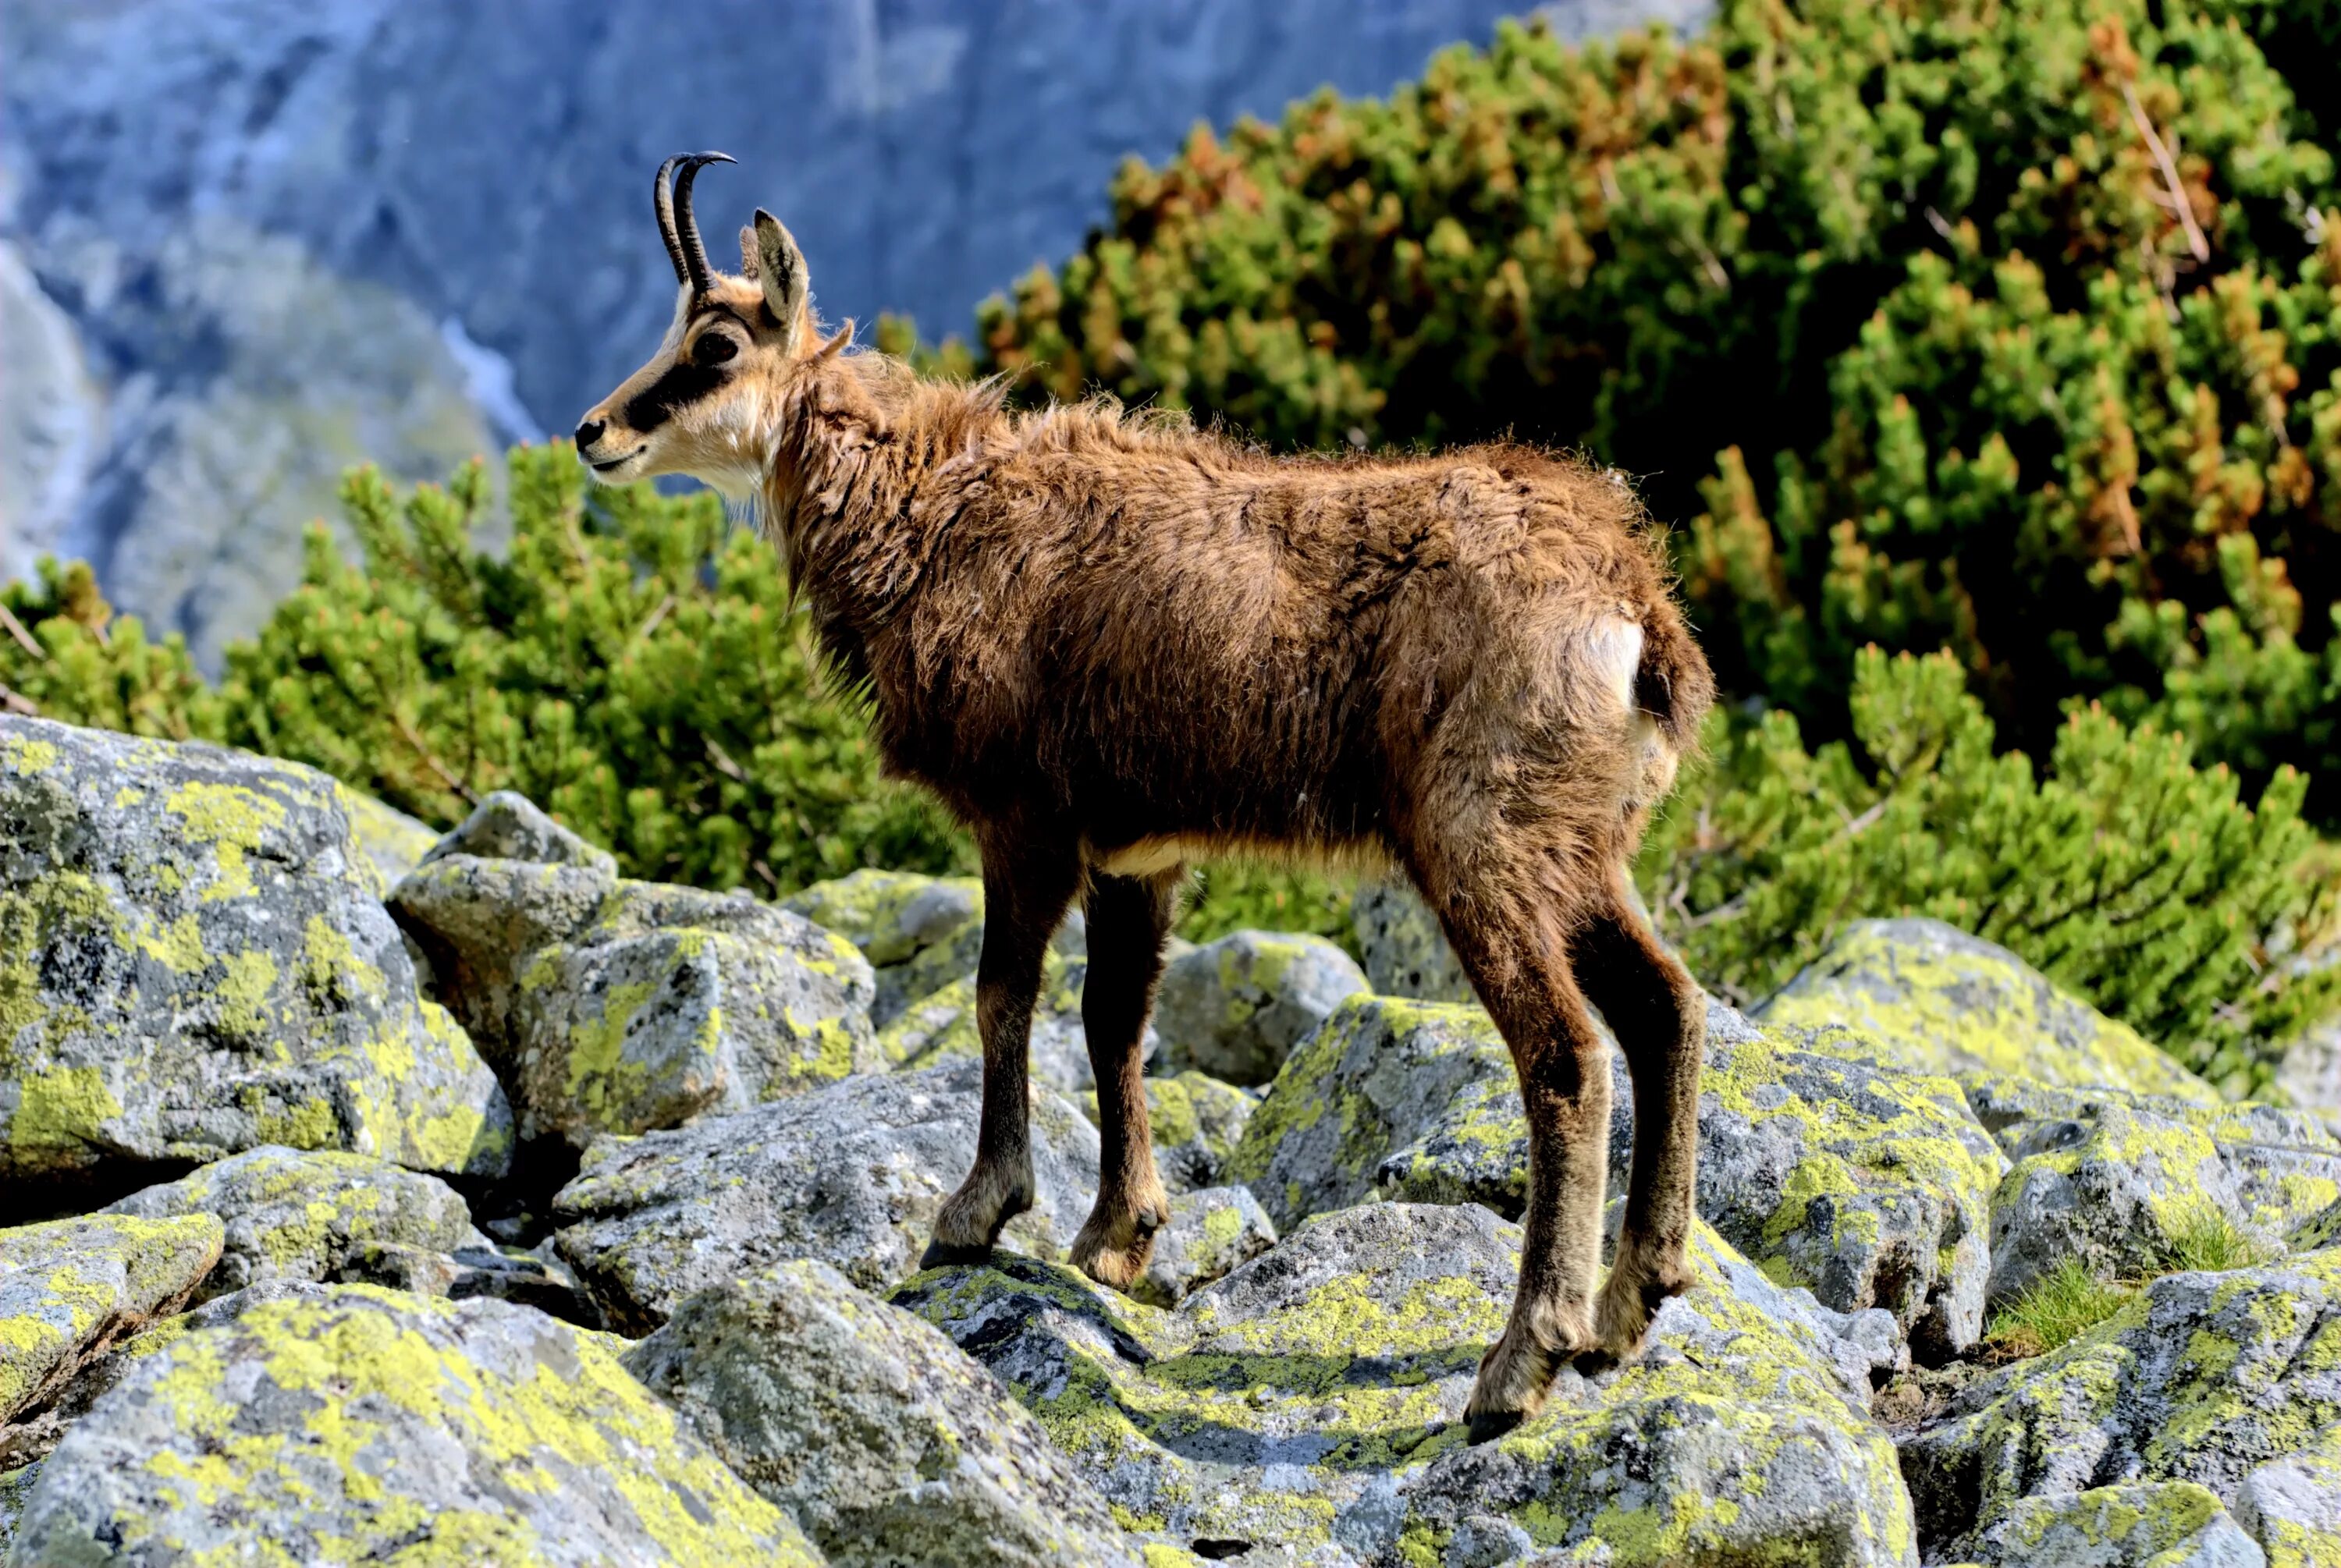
(2209, 1240)
(2061, 1306)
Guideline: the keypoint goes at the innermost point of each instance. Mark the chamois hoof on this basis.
(1113, 1248)
(942, 1255)
(1640, 1281)
(1490, 1424)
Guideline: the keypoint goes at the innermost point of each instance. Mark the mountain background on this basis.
(245, 244)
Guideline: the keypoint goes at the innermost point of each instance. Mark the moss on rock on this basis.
(1312, 1398)
(70, 1288)
(2202, 1378)
(298, 1215)
(1197, 1123)
(361, 1425)
(194, 960)
(1236, 1007)
(1935, 1000)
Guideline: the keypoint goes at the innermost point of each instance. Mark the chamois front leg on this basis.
(1026, 891)
(1128, 918)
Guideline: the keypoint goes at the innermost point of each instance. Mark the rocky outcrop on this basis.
(2207, 1378)
(1234, 1008)
(2170, 1524)
(354, 1423)
(1405, 951)
(612, 1005)
(1932, 998)
(1311, 1401)
(1871, 1187)
(850, 1175)
(194, 961)
(2310, 1071)
(887, 1443)
(296, 1214)
(70, 1288)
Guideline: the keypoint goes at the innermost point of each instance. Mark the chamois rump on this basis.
(1111, 645)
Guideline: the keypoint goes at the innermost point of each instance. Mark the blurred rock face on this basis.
(260, 238)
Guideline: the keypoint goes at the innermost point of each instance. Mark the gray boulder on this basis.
(1311, 1402)
(2170, 1524)
(850, 1175)
(2119, 1195)
(1235, 1008)
(2292, 1505)
(1405, 951)
(202, 965)
(2207, 1378)
(393, 842)
(334, 1424)
(296, 1214)
(1870, 1187)
(919, 933)
(1211, 1231)
(1934, 1000)
(615, 1005)
(70, 1288)
(880, 1438)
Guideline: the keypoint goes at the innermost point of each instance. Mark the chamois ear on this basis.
(780, 268)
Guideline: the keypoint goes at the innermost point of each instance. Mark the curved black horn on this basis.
(662, 203)
(691, 256)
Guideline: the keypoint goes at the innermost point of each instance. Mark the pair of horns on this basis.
(683, 246)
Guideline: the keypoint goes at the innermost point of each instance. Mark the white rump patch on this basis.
(1615, 647)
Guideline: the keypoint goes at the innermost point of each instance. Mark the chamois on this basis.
(1112, 644)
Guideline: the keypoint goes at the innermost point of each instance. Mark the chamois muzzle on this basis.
(677, 226)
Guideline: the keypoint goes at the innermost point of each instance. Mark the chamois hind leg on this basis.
(1026, 889)
(1655, 1010)
(1509, 923)
(1129, 917)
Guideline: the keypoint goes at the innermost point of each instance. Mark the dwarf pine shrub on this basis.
(2122, 869)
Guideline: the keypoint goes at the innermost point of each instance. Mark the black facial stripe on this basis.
(684, 383)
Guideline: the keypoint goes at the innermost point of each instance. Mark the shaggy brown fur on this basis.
(1114, 644)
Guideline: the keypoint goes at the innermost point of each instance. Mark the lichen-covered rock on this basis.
(194, 961)
(850, 1175)
(1235, 1008)
(1870, 1187)
(2168, 1524)
(919, 933)
(1196, 1122)
(1311, 1401)
(70, 1288)
(359, 1424)
(292, 1213)
(2203, 1377)
(509, 825)
(1405, 951)
(2283, 1165)
(2114, 1195)
(2292, 1505)
(882, 1438)
(392, 842)
(614, 1005)
(1938, 1001)
(1211, 1231)
(941, 1026)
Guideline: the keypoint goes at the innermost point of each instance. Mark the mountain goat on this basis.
(1111, 645)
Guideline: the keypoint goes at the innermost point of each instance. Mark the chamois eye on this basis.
(713, 348)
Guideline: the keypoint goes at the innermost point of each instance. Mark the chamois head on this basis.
(731, 358)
